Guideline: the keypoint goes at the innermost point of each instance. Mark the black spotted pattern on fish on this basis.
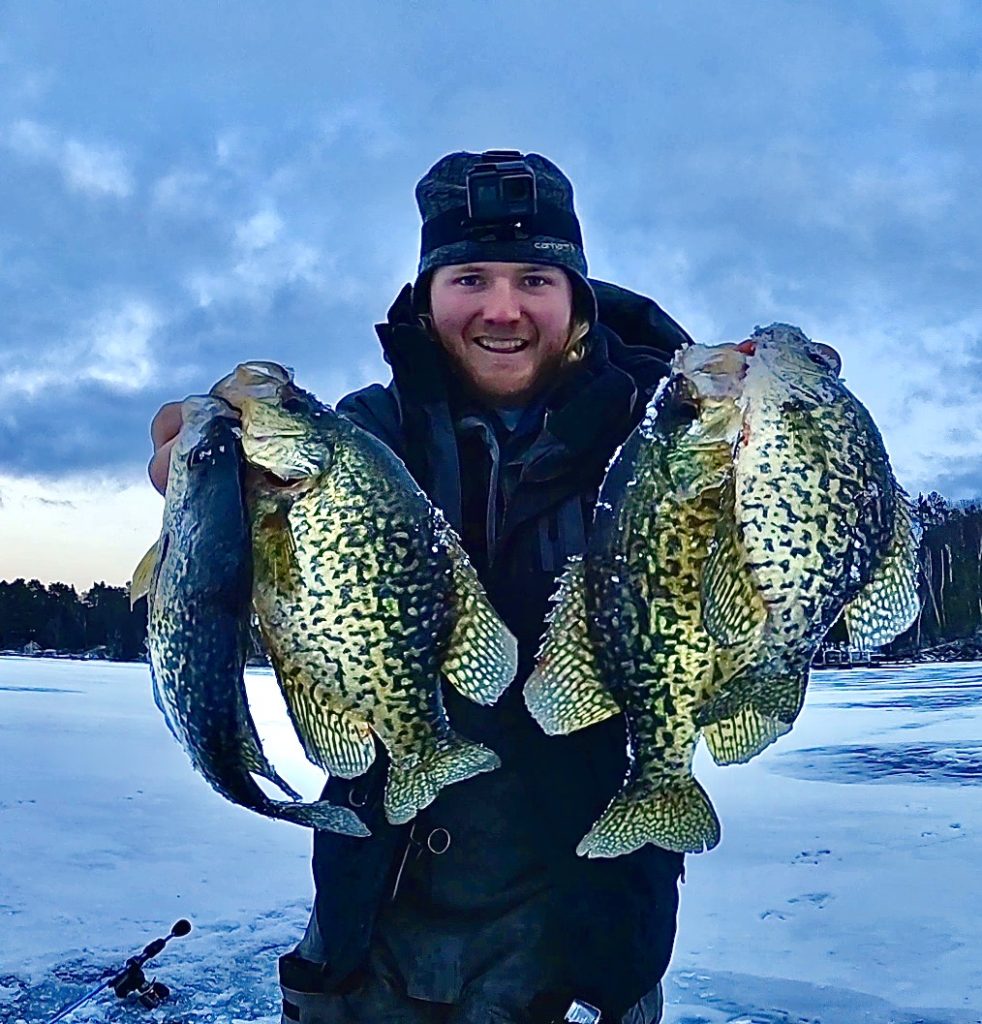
(364, 597)
(724, 547)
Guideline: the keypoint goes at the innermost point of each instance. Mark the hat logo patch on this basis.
(561, 246)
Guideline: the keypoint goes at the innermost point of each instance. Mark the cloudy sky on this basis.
(186, 186)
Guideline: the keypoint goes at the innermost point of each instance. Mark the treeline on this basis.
(100, 622)
(950, 579)
(950, 586)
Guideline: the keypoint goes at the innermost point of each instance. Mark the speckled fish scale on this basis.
(820, 526)
(198, 578)
(753, 505)
(363, 595)
(626, 630)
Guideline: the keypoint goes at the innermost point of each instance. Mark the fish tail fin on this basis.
(410, 789)
(674, 813)
(322, 815)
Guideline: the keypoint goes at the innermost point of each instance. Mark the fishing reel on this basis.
(131, 979)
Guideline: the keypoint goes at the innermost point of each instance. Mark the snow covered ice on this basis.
(844, 890)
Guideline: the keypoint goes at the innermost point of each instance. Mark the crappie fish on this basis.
(818, 527)
(752, 505)
(364, 595)
(198, 579)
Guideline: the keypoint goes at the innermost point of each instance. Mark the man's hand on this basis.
(164, 428)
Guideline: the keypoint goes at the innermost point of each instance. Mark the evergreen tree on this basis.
(57, 618)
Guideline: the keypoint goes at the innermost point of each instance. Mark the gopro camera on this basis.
(501, 189)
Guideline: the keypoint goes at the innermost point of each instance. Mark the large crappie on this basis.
(752, 505)
(198, 580)
(364, 595)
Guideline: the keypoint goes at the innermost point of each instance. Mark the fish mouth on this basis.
(282, 483)
(825, 356)
(201, 416)
(683, 401)
(255, 380)
(715, 371)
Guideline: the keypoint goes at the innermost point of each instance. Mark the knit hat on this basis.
(549, 236)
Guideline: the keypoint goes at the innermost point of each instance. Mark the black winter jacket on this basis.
(522, 502)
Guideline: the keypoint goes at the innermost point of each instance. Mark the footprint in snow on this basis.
(811, 856)
(818, 899)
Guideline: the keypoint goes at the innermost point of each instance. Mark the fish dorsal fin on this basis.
(143, 574)
(275, 551)
(482, 657)
(565, 693)
(737, 739)
(732, 608)
(888, 604)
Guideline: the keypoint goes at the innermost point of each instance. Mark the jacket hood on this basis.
(633, 333)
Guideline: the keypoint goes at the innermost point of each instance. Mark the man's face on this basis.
(504, 325)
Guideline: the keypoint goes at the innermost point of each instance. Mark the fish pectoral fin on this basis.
(339, 741)
(348, 743)
(255, 761)
(889, 604)
(143, 574)
(735, 740)
(674, 813)
(275, 551)
(410, 788)
(777, 694)
(732, 608)
(482, 656)
(565, 693)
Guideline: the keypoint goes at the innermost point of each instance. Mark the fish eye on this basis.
(688, 411)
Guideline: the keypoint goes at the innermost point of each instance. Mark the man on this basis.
(514, 379)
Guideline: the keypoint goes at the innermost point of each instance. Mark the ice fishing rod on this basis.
(131, 979)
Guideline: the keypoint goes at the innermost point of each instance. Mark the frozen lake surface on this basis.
(845, 889)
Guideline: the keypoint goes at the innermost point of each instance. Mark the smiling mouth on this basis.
(499, 346)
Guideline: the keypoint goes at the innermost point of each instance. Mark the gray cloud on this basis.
(97, 170)
(959, 480)
(741, 163)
